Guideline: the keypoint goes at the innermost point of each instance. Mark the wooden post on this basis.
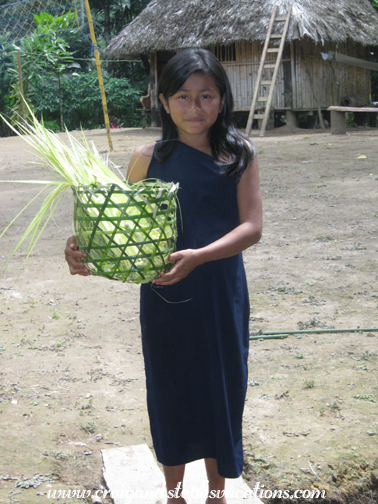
(291, 119)
(338, 123)
(155, 120)
(288, 83)
(313, 90)
(293, 76)
(99, 73)
(21, 85)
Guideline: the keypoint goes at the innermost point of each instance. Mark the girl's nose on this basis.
(194, 104)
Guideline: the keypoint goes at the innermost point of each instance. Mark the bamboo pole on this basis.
(271, 336)
(99, 73)
(21, 85)
(284, 334)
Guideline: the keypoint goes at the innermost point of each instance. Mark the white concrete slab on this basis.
(133, 476)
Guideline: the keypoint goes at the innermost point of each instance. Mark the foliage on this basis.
(43, 56)
(58, 70)
(82, 106)
(111, 17)
(48, 43)
(17, 17)
(5, 78)
(374, 57)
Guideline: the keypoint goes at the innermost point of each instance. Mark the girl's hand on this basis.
(73, 257)
(186, 261)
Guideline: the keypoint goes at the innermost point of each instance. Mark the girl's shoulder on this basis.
(139, 162)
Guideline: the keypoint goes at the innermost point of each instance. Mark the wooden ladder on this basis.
(263, 65)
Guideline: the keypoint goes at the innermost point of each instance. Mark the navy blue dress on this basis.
(195, 333)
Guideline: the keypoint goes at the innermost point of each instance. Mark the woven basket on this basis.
(127, 235)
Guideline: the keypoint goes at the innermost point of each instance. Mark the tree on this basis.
(54, 84)
(111, 16)
(6, 64)
(55, 48)
(44, 55)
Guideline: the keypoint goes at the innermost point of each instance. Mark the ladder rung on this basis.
(269, 66)
(273, 50)
(262, 98)
(258, 116)
(280, 19)
(276, 36)
(265, 83)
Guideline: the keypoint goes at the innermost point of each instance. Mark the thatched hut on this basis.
(235, 31)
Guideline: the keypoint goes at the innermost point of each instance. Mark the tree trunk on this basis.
(107, 23)
(60, 103)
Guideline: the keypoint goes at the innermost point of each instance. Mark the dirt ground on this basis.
(71, 368)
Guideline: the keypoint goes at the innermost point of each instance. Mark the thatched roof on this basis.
(175, 24)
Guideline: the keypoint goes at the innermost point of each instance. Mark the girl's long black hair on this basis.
(226, 142)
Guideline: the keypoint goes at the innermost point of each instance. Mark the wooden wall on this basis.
(309, 79)
(304, 79)
(242, 74)
(330, 81)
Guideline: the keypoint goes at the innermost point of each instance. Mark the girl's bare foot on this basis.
(218, 498)
(216, 483)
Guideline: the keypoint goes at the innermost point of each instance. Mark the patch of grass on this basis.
(59, 344)
(282, 289)
(60, 455)
(324, 238)
(365, 397)
(87, 406)
(309, 384)
(89, 427)
(367, 355)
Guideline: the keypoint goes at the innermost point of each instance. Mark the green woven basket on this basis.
(126, 234)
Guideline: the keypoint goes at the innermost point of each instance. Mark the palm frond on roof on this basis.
(175, 24)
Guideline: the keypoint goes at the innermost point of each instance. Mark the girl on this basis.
(194, 319)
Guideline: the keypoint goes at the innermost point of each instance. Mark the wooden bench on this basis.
(338, 118)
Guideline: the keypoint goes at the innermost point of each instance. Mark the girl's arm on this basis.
(243, 236)
(139, 163)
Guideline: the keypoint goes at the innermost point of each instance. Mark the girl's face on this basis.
(195, 107)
